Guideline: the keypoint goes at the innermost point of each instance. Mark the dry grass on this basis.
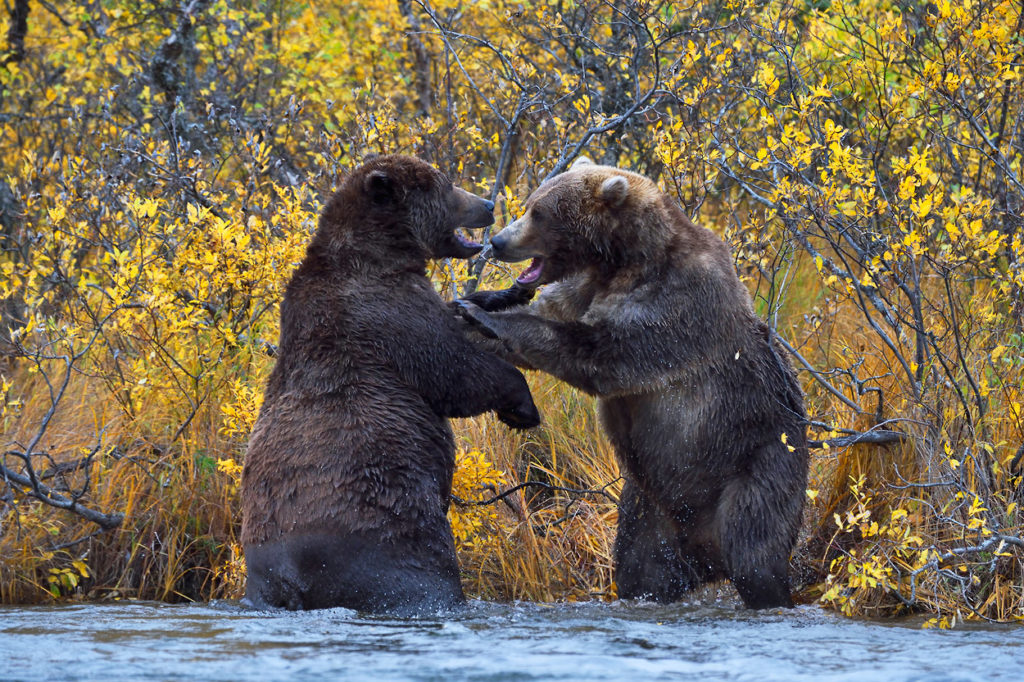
(546, 544)
(179, 538)
(180, 511)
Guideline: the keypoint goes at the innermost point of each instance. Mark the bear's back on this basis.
(338, 421)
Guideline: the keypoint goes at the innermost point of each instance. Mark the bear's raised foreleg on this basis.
(454, 376)
(601, 359)
(503, 299)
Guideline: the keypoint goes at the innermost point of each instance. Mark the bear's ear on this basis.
(379, 187)
(580, 162)
(370, 156)
(614, 191)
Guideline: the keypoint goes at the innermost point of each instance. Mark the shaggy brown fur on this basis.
(645, 311)
(349, 468)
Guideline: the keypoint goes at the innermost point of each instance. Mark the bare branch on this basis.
(819, 377)
(881, 437)
(538, 484)
(17, 31)
(34, 488)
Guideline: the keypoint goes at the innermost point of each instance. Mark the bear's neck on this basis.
(368, 251)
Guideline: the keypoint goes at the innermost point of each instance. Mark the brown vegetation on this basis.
(162, 169)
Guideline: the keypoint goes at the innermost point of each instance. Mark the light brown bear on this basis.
(644, 309)
(349, 468)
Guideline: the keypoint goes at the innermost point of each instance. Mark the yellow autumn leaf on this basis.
(923, 207)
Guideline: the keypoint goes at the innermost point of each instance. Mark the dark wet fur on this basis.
(349, 468)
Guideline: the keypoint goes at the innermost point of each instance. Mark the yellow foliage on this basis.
(477, 481)
(163, 173)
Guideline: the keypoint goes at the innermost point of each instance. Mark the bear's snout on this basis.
(498, 243)
(475, 211)
(514, 243)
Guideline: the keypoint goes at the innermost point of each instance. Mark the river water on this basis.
(593, 641)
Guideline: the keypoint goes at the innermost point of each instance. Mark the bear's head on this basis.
(401, 201)
(590, 216)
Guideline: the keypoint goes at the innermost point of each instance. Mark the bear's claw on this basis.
(503, 299)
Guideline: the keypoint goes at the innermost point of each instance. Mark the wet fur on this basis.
(349, 466)
(647, 313)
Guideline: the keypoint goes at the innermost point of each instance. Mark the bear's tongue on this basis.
(468, 243)
(532, 273)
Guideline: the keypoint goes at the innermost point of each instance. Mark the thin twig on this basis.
(537, 484)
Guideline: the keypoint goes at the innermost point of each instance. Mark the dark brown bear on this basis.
(645, 311)
(349, 468)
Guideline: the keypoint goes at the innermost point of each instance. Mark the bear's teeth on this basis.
(532, 272)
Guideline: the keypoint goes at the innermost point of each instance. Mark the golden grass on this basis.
(546, 544)
(179, 538)
(180, 515)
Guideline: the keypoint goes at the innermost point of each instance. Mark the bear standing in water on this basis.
(645, 311)
(349, 467)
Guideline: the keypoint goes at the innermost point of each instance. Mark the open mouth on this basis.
(457, 246)
(532, 273)
(467, 242)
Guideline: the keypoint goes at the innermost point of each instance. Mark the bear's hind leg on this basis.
(648, 564)
(763, 586)
(756, 526)
(321, 570)
(273, 581)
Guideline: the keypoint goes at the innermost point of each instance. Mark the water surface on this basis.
(594, 641)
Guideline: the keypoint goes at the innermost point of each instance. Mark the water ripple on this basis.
(490, 642)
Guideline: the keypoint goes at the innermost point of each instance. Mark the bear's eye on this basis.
(537, 213)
